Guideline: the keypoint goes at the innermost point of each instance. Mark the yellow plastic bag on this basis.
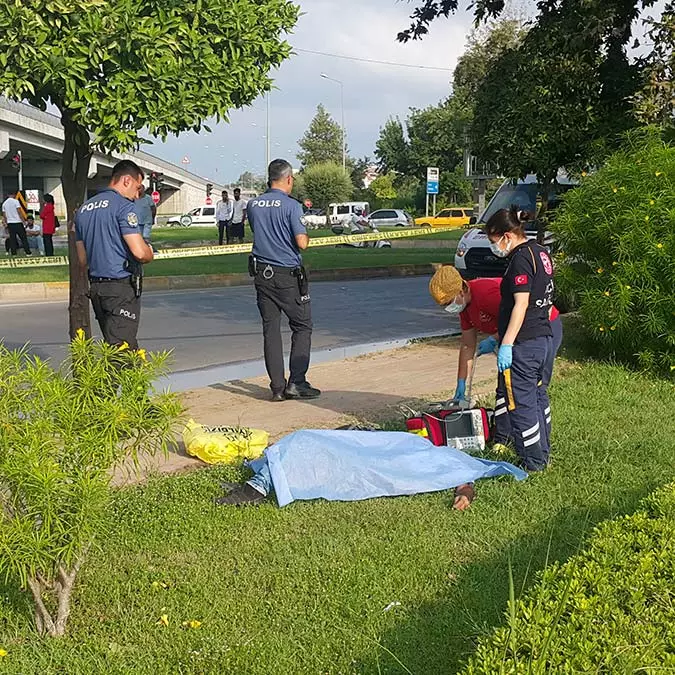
(223, 445)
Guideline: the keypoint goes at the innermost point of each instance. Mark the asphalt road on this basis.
(207, 328)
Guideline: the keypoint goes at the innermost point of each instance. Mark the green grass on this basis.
(320, 258)
(303, 589)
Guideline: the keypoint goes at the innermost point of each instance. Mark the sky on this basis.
(372, 92)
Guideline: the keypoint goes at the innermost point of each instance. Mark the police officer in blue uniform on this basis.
(281, 281)
(525, 336)
(110, 242)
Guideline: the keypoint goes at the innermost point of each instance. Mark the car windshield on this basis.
(526, 196)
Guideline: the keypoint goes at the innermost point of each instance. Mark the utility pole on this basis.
(342, 108)
(267, 132)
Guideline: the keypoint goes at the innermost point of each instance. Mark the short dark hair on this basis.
(508, 220)
(126, 168)
(237, 190)
(278, 170)
(48, 198)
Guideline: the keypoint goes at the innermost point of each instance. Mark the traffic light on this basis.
(209, 189)
(156, 181)
(17, 161)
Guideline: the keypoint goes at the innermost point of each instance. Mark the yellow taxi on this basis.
(457, 217)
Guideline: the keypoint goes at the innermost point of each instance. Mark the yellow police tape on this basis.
(200, 251)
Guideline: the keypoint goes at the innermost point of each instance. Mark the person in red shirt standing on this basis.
(48, 218)
(476, 302)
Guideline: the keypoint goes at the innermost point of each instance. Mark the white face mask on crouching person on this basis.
(455, 307)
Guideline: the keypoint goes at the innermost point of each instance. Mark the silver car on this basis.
(390, 218)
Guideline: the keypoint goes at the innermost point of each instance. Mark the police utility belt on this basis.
(268, 271)
(135, 278)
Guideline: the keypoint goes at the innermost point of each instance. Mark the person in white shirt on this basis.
(238, 218)
(224, 217)
(34, 234)
(13, 218)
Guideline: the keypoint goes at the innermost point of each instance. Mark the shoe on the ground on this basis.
(303, 390)
(278, 396)
(241, 496)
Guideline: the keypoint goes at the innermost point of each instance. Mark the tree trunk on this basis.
(542, 216)
(77, 154)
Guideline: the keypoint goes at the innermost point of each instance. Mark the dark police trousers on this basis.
(277, 294)
(522, 397)
(117, 310)
(17, 232)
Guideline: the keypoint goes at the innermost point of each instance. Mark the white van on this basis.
(336, 213)
(202, 216)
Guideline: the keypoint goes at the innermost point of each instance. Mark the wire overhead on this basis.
(383, 63)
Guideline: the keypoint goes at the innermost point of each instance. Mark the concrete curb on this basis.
(58, 290)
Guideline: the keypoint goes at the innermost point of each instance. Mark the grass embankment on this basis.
(315, 259)
(309, 588)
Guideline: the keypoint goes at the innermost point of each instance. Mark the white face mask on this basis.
(454, 308)
(501, 253)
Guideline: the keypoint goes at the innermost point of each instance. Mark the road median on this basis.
(58, 290)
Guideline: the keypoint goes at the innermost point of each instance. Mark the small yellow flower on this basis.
(659, 246)
(80, 334)
(607, 293)
(142, 354)
(614, 264)
(600, 270)
(584, 174)
(672, 368)
(3, 653)
(652, 202)
(658, 173)
(123, 346)
(193, 623)
(615, 190)
(627, 287)
(646, 219)
(163, 620)
(602, 330)
(613, 328)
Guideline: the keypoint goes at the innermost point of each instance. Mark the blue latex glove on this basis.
(460, 392)
(487, 346)
(504, 357)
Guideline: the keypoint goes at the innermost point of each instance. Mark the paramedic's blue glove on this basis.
(487, 346)
(504, 357)
(460, 392)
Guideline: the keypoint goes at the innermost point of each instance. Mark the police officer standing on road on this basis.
(281, 282)
(110, 242)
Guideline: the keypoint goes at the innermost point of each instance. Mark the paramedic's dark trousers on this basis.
(275, 295)
(522, 396)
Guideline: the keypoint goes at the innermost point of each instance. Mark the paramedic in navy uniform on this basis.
(111, 243)
(525, 336)
(281, 282)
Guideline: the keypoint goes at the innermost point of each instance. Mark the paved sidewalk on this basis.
(367, 387)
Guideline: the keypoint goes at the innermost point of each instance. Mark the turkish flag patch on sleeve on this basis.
(521, 280)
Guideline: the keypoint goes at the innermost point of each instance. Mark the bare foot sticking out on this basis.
(464, 495)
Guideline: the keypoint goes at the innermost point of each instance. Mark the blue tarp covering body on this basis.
(353, 465)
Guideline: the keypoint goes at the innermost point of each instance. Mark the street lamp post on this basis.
(342, 108)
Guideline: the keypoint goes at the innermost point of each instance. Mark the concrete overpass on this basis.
(39, 136)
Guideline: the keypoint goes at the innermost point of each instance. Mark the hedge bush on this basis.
(617, 231)
(610, 609)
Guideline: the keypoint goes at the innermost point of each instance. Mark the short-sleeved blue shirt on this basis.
(275, 220)
(100, 223)
(143, 209)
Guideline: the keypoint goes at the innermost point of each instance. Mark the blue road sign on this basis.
(432, 187)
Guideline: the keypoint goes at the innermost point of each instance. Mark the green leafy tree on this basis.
(326, 183)
(391, 148)
(322, 141)
(299, 190)
(115, 70)
(617, 231)
(62, 433)
(383, 188)
(357, 170)
(252, 181)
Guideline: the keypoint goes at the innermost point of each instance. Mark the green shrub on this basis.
(617, 231)
(610, 609)
(61, 434)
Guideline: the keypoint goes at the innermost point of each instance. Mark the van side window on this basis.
(343, 209)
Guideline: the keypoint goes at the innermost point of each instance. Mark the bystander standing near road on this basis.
(48, 218)
(14, 219)
(224, 212)
(110, 244)
(145, 210)
(239, 213)
(281, 282)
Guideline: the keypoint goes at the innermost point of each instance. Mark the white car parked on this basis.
(473, 257)
(202, 216)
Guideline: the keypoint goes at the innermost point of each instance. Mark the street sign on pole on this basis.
(308, 203)
(432, 180)
(155, 197)
(208, 201)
